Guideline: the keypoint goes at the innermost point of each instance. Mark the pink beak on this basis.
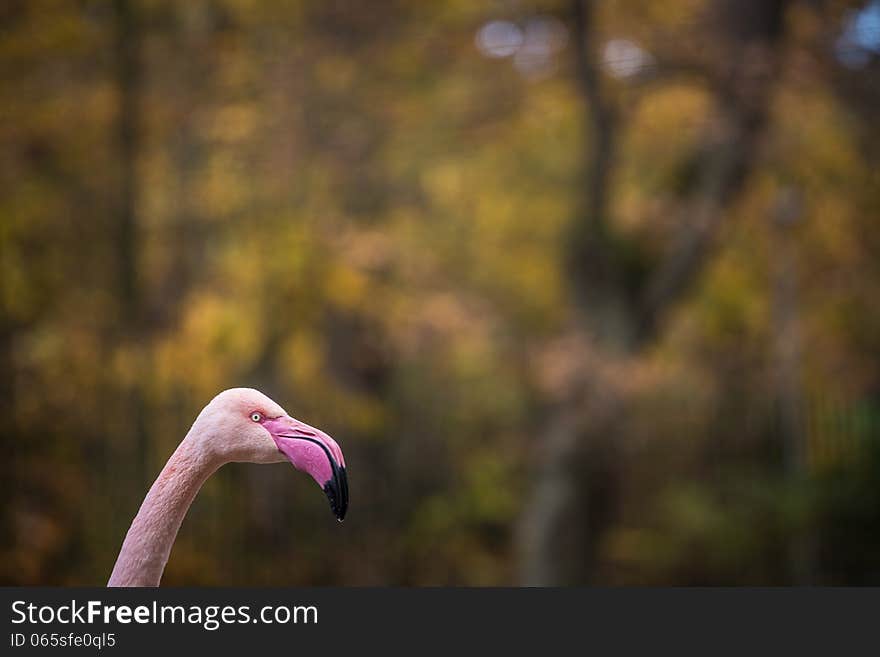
(315, 453)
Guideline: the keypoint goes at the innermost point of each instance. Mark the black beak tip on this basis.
(336, 490)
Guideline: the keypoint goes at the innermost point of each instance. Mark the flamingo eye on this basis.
(256, 417)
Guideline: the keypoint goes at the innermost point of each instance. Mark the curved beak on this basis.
(315, 453)
(337, 493)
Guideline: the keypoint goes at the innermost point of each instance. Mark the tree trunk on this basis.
(787, 357)
(621, 322)
(132, 318)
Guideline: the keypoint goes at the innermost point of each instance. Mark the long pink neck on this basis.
(149, 540)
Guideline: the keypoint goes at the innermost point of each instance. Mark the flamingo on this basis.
(238, 425)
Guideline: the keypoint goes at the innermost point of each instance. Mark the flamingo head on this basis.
(245, 425)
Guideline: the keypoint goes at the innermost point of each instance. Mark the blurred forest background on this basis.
(588, 291)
